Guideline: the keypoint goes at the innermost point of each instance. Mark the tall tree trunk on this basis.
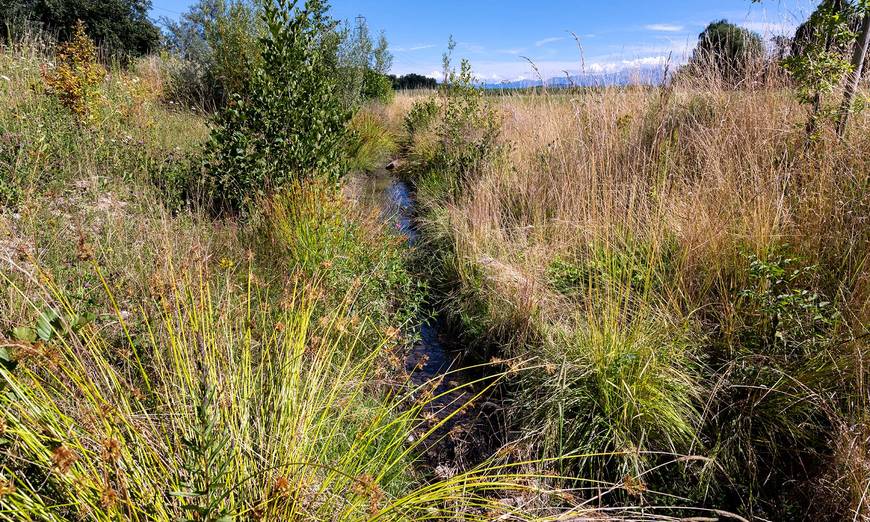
(858, 59)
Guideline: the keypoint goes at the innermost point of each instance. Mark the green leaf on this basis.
(24, 333)
(6, 359)
(47, 324)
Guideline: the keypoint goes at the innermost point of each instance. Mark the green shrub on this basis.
(776, 377)
(467, 129)
(215, 47)
(421, 116)
(377, 86)
(291, 125)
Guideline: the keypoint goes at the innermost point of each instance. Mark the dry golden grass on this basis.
(660, 199)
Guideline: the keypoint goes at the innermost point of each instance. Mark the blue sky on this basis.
(495, 35)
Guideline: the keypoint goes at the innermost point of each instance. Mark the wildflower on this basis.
(394, 360)
(63, 458)
(137, 393)
(84, 252)
(422, 362)
(340, 326)
(226, 263)
(366, 486)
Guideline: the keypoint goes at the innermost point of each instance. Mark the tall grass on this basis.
(614, 239)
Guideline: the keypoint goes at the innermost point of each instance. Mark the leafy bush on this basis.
(215, 47)
(464, 134)
(775, 379)
(291, 124)
(377, 86)
(421, 116)
(75, 78)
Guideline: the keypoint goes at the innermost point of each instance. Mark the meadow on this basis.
(671, 275)
(663, 291)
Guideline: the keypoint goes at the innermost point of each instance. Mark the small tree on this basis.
(382, 58)
(818, 61)
(727, 50)
(77, 73)
(291, 125)
(363, 65)
(218, 42)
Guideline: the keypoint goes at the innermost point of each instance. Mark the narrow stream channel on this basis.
(435, 357)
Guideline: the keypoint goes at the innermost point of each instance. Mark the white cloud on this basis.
(512, 51)
(410, 49)
(664, 28)
(552, 39)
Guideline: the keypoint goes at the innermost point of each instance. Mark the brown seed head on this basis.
(111, 450)
(108, 498)
(63, 458)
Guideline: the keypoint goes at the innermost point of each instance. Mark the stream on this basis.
(436, 357)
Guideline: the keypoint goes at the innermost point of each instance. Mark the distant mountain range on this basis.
(647, 75)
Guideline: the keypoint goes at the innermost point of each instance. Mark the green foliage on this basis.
(778, 371)
(291, 124)
(216, 43)
(413, 81)
(629, 264)
(781, 317)
(819, 58)
(362, 65)
(421, 116)
(377, 86)
(205, 463)
(369, 142)
(465, 131)
(121, 26)
(727, 50)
